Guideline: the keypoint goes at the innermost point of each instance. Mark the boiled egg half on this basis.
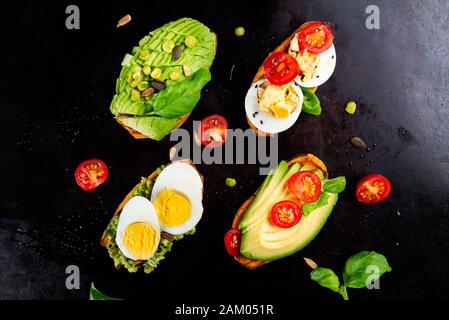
(138, 231)
(177, 198)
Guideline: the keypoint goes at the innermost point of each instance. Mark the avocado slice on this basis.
(261, 240)
(266, 192)
(268, 242)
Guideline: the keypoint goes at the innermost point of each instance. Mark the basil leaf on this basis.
(326, 278)
(307, 208)
(336, 185)
(311, 102)
(364, 268)
(97, 295)
(180, 98)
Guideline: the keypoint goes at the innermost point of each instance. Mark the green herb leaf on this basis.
(336, 185)
(364, 268)
(311, 102)
(97, 295)
(307, 208)
(326, 278)
(181, 97)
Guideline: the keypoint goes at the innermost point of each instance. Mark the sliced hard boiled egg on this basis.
(325, 69)
(265, 121)
(138, 231)
(177, 197)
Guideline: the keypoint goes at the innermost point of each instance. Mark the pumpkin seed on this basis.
(358, 143)
(124, 20)
(158, 85)
(176, 53)
(167, 236)
(311, 263)
(148, 92)
(186, 70)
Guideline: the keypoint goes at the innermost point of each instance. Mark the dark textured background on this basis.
(56, 88)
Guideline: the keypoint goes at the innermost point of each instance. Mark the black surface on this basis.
(56, 88)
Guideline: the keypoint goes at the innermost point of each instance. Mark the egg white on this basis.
(326, 68)
(183, 178)
(267, 122)
(137, 209)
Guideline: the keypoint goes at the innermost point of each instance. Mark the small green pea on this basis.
(175, 75)
(168, 45)
(135, 95)
(230, 182)
(144, 54)
(351, 107)
(156, 73)
(190, 41)
(239, 31)
(146, 70)
(143, 85)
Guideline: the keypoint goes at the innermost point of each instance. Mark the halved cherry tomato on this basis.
(306, 185)
(374, 188)
(90, 174)
(280, 68)
(315, 37)
(212, 131)
(286, 214)
(232, 241)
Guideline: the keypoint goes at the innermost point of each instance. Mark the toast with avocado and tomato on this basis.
(285, 85)
(160, 82)
(159, 211)
(285, 214)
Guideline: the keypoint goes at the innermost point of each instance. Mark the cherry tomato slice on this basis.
(280, 68)
(315, 37)
(232, 241)
(372, 189)
(212, 131)
(306, 185)
(286, 214)
(90, 174)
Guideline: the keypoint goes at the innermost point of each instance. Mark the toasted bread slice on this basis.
(152, 176)
(181, 119)
(308, 159)
(260, 75)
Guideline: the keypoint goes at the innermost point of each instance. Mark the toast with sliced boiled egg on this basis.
(284, 85)
(160, 210)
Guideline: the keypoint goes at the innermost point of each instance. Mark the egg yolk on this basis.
(173, 208)
(140, 240)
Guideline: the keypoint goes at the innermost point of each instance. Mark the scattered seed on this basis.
(261, 121)
(311, 263)
(186, 70)
(358, 143)
(333, 57)
(176, 53)
(167, 236)
(124, 20)
(158, 85)
(148, 92)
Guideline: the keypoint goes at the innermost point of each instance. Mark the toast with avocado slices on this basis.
(137, 221)
(261, 239)
(291, 68)
(161, 80)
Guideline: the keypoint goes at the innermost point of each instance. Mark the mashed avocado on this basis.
(144, 190)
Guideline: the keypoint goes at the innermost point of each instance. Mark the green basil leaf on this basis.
(326, 278)
(364, 268)
(307, 208)
(180, 98)
(336, 185)
(311, 102)
(97, 295)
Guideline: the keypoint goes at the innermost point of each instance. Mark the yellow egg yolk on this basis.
(173, 208)
(140, 240)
